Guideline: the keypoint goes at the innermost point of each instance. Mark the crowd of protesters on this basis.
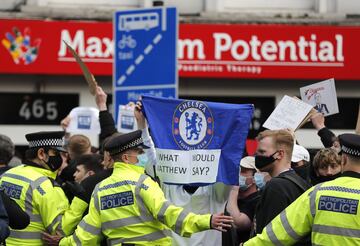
(70, 193)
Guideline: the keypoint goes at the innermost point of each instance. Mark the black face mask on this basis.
(263, 161)
(321, 179)
(54, 162)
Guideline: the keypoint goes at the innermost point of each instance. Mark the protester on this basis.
(273, 155)
(300, 162)
(7, 151)
(87, 165)
(241, 204)
(326, 166)
(199, 199)
(329, 211)
(149, 216)
(327, 137)
(49, 209)
(77, 145)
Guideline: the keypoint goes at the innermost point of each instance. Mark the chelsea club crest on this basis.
(193, 125)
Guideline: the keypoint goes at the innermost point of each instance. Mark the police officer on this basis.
(33, 187)
(329, 211)
(129, 208)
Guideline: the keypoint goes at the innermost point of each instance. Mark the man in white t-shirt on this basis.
(199, 199)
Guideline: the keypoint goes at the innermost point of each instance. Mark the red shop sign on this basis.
(204, 50)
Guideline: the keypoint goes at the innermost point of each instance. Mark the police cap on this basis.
(124, 142)
(350, 144)
(53, 140)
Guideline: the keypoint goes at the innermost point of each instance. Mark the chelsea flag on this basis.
(196, 141)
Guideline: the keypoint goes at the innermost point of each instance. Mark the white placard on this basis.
(126, 120)
(84, 120)
(322, 96)
(184, 167)
(289, 113)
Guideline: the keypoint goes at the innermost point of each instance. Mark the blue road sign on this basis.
(145, 59)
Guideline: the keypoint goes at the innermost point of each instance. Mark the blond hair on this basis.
(326, 157)
(281, 139)
(79, 145)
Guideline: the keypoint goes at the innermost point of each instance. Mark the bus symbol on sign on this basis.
(143, 21)
(144, 56)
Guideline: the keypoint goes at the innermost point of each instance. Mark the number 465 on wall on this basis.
(39, 109)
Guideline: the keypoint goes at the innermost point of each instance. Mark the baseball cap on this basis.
(248, 162)
(299, 154)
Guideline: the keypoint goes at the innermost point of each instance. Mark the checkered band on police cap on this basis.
(350, 144)
(350, 151)
(52, 139)
(133, 144)
(124, 142)
(46, 142)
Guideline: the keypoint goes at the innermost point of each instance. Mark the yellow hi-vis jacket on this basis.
(129, 207)
(329, 211)
(46, 204)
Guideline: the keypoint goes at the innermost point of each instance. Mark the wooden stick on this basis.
(90, 79)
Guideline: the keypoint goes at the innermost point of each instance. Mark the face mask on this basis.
(54, 162)
(259, 180)
(142, 160)
(322, 179)
(242, 183)
(263, 161)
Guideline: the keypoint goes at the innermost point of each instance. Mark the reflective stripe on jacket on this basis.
(45, 203)
(129, 207)
(329, 211)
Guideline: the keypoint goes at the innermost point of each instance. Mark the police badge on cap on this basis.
(53, 139)
(124, 142)
(350, 144)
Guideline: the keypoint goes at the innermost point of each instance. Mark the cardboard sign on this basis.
(84, 120)
(289, 113)
(322, 96)
(90, 79)
(126, 120)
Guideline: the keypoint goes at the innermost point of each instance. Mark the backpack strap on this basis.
(302, 184)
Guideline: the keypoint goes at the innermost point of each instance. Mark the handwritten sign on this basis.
(289, 113)
(322, 96)
(193, 166)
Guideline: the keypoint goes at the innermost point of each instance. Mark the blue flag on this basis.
(196, 141)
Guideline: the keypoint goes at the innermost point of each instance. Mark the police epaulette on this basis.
(54, 183)
(155, 179)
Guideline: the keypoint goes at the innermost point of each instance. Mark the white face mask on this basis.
(242, 183)
(259, 180)
(142, 160)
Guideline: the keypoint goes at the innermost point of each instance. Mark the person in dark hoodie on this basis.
(325, 166)
(300, 162)
(327, 137)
